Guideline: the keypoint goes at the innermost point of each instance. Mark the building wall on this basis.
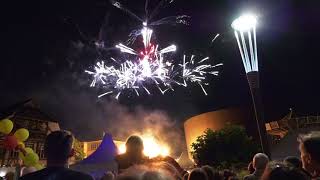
(215, 120)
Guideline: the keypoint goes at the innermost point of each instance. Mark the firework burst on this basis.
(151, 66)
(151, 69)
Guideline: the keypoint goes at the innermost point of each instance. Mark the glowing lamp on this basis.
(245, 32)
(245, 27)
(244, 23)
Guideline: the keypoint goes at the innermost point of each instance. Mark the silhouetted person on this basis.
(185, 176)
(280, 171)
(209, 171)
(259, 163)
(228, 174)
(310, 153)
(212, 173)
(293, 162)
(133, 155)
(58, 148)
(198, 174)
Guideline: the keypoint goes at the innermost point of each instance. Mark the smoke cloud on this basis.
(80, 111)
(123, 122)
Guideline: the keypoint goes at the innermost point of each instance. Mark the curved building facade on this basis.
(215, 120)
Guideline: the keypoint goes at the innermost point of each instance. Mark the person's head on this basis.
(293, 161)
(310, 151)
(58, 148)
(212, 173)
(217, 175)
(209, 171)
(260, 161)
(250, 168)
(198, 174)
(228, 174)
(185, 176)
(134, 145)
(279, 171)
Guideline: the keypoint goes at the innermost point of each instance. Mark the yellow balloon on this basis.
(21, 134)
(21, 156)
(21, 144)
(6, 126)
(31, 159)
(28, 150)
(38, 166)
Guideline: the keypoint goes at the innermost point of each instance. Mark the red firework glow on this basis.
(148, 52)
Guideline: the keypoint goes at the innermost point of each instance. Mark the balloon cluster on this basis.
(15, 141)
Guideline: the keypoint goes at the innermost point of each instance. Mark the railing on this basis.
(279, 129)
(307, 121)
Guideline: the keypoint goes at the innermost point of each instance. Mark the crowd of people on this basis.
(133, 165)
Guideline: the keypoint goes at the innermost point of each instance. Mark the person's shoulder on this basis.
(249, 177)
(33, 175)
(121, 157)
(78, 175)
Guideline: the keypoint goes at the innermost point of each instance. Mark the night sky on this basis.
(42, 59)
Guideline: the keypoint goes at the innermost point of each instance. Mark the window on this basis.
(94, 146)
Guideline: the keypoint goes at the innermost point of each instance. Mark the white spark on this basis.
(217, 35)
(146, 35)
(125, 49)
(152, 69)
(168, 49)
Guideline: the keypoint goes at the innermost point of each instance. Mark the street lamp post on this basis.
(245, 33)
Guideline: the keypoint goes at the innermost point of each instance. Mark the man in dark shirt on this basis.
(58, 148)
(259, 163)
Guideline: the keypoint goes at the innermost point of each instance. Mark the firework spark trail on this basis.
(118, 5)
(126, 49)
(197, 72)
(215, 37)
(156, 10)
(146, 36)
(134, 76)
(146, 7)
(151, 66)
(173, 20)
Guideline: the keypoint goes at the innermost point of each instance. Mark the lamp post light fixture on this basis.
(245, 33)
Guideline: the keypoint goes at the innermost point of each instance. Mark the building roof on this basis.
(27, 109)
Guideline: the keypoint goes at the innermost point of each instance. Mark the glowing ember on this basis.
(152, 147)
(122, 148)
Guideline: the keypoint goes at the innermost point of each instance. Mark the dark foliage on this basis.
(227, 147)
